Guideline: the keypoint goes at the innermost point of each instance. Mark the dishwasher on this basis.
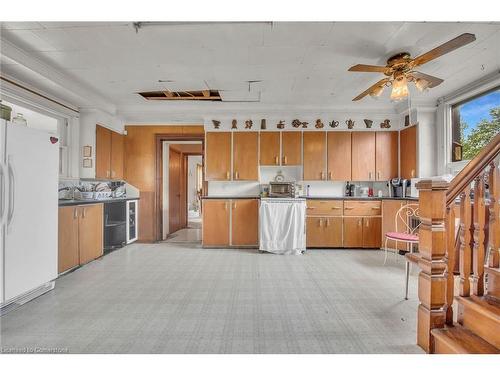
(115, 225)
(282, 225)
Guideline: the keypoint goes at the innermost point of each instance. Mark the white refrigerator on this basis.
(28, 213)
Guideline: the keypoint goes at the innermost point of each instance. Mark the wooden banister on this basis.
(476, 192)
(473, 168)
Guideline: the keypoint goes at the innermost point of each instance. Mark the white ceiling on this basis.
(300, 64)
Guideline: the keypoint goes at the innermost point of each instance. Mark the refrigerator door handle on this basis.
(12, 188)
(3, 177)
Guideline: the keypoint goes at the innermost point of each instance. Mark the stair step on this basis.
(458, 340)
(481, 315)
(493, 284)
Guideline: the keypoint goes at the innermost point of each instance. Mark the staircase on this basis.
(459, 282)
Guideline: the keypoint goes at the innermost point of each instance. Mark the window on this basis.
(475, 122)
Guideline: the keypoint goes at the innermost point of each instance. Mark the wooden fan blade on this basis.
(433, 81)
(370, 89)
(367, 68)
(445, 48)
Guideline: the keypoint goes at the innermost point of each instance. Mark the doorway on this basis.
(182, 170)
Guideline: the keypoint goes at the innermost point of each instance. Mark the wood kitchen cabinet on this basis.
(244, 222)
(245, 156)
(324, 231)
(270, 145)
(314, 155)
(353, 232)
(230, 222)
(218, 156)
(363, 156)
(68, 256)
(339, 156)
(109, 154)
(386, 155)
(80, 235)
(408, 152)
(362, 232)
(216, 222)
(291, 148)
(372, 227)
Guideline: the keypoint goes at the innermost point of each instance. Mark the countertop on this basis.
(319, 197)
(79, 202)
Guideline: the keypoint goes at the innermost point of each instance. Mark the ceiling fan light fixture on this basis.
(422, 84)
(377, 91)
(399, 88)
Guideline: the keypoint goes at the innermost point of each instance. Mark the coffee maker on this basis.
(397, 187)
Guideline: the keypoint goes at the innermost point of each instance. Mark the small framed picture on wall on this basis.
(87, 151)
(87, 163)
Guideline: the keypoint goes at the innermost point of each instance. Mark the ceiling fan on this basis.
(400, 70)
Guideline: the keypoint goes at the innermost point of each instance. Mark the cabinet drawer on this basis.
(324, 208)
(362, 208)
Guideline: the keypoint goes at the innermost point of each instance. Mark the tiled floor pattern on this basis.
(181, 298)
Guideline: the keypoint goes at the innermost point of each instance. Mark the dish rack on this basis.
(91, 195)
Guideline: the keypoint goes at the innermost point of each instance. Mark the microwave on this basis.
(282, 189)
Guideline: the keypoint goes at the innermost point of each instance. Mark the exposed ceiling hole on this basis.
(210, 95)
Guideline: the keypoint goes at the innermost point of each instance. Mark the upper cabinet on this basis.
(270, 148)
(386, 155)
(245, 156)
(339, 156)
(408, 152)
(363, 156)
(218, 155)
(109, 154)
(291, 148)
(314, 155)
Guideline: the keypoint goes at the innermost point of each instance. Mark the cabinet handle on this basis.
(375, 208)
(236, 175)
(234, 205)
(75, 213)
(107, 173)
(413, 173)
(327, 222)
(322, 176)
(359, 222)
(83, 212)
(225, 206)
(335, 208)
(329, 175)
(320, 221)
(284, 160)
(228, 175)
(348, 208)
(367, 223)
(311, 208)
(378, 175)
(276, 160)
(370, 176)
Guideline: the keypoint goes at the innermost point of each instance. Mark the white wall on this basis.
(193, 161)
(89, 118)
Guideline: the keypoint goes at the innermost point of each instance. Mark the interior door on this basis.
(269, 148)
(174, 190)
(314, 155)
(353, 232)
(386, 155)
(363, 156)
(291, 145)
(245, 160)
(102, 152)
(218, 156)
(339, 156)
(30, 252)
(215, 222)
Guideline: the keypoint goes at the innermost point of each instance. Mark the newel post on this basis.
(432, 248)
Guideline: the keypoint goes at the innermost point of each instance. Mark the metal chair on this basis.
(408, 215)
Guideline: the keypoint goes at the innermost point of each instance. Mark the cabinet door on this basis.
(339, 156)
(102, 152)
(245, 160)
(270, 148)
(389, 210)
(408, 152)
(363, 156)
(215, 222)
(372, 232)
(332, 232)
(90, 232)
(386, 155)
(314, 231)
(314, 156)
(353, 232)
(291, 145)
(245, 222)
(218, 155)
(68, 238)
(117, 146)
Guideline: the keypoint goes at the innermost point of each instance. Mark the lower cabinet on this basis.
(324, 232)
(230, 222)
(80, 235)
(362, 232)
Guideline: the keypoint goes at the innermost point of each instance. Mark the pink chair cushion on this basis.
(402, 236)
